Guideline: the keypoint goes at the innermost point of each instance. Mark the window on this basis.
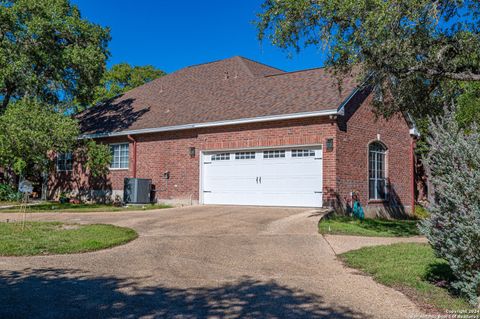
(244, 155)
(274, 154)
(120, 155)
(64, 162)
(377, 185)
(303, 153)
(221, 157)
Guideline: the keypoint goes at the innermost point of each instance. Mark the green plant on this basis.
(421, 212)
(453, 228)
(8, 193)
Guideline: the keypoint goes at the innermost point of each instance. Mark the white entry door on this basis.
(273, 177)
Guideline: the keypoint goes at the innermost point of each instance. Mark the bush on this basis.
(453, 228)
(421, 212)
(8, 193)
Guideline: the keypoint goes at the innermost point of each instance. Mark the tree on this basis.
(123, 77)
(48, 51)
(414, 52)
(29, 131)
(453, 229)
(468, 109)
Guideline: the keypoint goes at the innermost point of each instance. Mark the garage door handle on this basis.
(318, 192)
(257, 179)
(260, 179)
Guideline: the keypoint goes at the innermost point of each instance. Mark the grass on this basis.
(44, 238)
(410, 268)
(83, 208)
(7, 203)
(340, 225)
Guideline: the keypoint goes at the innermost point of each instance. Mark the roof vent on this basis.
(226, 75)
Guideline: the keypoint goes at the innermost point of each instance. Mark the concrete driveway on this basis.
(197, 262)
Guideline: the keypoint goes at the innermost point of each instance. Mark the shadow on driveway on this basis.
(62, 293)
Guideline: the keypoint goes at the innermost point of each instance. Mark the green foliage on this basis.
(421, 212)
(413, 51)
(123, 77)
(468, 104)
(412, 268)
(40, 238)
(47, 50)
(340, 225)
(98, 158)
(8, 193)
(453, 228)
(29, 131)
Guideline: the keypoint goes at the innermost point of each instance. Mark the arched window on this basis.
(377, 181)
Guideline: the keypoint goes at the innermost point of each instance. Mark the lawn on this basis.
(43, 238)
(410, 268)
(83, 208)
(340, 225)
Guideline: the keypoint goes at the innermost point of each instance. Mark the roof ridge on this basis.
(298, 71)
(245, 66)
(261, 63)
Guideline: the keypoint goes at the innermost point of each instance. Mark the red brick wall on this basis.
(356, 130)
(345, 168)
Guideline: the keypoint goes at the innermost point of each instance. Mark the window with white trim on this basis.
(64, 162)
(303, 153)
(377, 181)
(244, 155)
(221, 157)
(274, 154)
(120, 156)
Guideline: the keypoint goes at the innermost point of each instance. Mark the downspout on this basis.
(130, 138)
(413, 173)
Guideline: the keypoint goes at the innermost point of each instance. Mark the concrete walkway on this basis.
(198, 262)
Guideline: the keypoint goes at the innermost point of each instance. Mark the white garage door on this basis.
(273, 177)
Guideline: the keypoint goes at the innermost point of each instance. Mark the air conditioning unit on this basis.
(137, 190)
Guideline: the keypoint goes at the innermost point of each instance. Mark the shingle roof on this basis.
(229, 89)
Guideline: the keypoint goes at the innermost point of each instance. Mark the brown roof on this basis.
(230, 89)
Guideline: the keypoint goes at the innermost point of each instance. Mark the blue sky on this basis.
(174, 34)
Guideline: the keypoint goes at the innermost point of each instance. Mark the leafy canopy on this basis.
(123, 77)
(48, 51)
(414, 51)
(29, 131)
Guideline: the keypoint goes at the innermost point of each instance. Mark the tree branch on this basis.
(459, 76)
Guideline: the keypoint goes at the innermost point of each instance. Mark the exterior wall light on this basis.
(192, 151)
(329, 144)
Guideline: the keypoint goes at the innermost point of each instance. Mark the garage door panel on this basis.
(282, 181)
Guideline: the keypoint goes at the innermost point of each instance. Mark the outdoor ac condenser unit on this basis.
(137, 190)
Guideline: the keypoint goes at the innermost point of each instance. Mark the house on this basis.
(239, 132)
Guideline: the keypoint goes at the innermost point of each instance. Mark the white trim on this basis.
(214, 124)
(200, 178)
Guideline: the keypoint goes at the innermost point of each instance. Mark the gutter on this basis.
(213, 124)
(134, 160)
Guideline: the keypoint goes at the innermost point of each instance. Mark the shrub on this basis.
(421, 212)
(453, 228)
(8, 193)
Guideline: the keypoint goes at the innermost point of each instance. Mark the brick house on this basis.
(239, 132)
